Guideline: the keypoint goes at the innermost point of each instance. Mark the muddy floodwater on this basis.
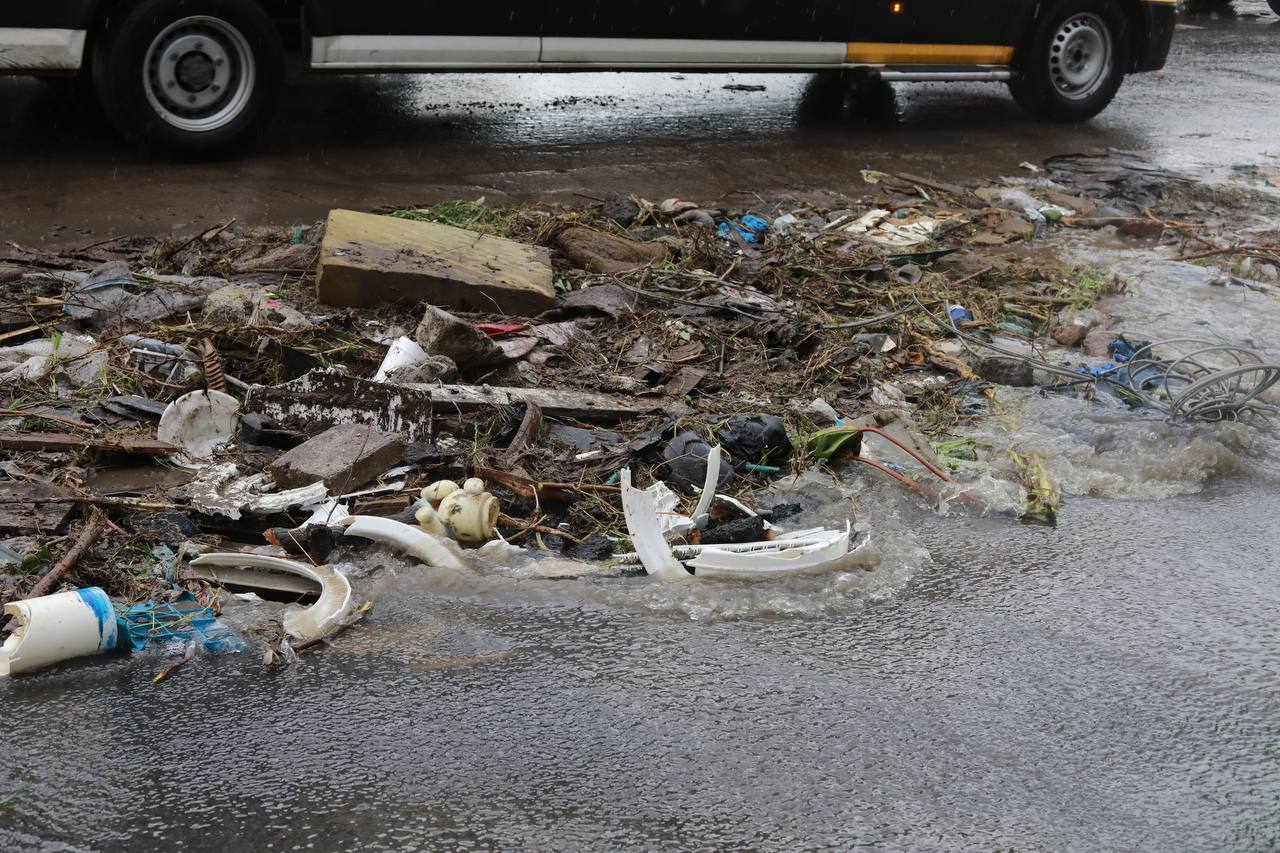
(1109, 685)
(1106, 685)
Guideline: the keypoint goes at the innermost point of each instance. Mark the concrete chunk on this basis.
(345, 458)
(368, 261)
(442, 334)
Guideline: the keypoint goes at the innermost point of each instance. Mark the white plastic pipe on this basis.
(58, 627)
(413, 541)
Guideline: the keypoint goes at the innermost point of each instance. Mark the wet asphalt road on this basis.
(370, 141)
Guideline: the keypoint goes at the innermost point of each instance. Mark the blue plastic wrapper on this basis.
(751, 227)
(184, 619)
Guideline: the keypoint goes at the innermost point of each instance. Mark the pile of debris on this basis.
(236, 413)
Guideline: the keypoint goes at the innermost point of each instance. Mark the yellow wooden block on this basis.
(368, 260)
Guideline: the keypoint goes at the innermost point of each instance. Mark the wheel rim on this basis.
(1080, 57)
(199, 74)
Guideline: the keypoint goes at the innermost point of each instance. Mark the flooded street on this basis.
(366, 142)
(1106, 684)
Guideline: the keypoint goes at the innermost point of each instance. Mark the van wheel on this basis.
(1074, 62)
(196, 77)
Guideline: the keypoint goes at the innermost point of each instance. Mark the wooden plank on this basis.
(574, 404)
(324, 398)
(32, 508)
(56, 441)
(369, 261)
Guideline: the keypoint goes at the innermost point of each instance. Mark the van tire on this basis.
(190, 77)
(1275, 6)
(1074, 61)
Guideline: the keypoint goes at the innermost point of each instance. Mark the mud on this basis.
(368, 141)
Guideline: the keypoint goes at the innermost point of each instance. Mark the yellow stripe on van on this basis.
(892, 53)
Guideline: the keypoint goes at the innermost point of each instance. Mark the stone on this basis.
(1069, 334)
(822, 410)
(370, 261)
(607, 254)
(1002, 370)
(1098, 342)
(749, 529)
(781, 512)
(595, 547)
(344, 457)
(442, 334)
(620, 208)
(1090, 318)
(435, 368)
(613, 300)
(238, 306)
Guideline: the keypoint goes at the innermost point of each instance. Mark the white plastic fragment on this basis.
(220, 490)
(199, 422)
(665, 504)
(316, 621)
(73, 357)
(404, 352)
(638, 506)
(325, 512)
(274, 502)
(413, 541)
(708, 487)
(59, 627)
(826, 555)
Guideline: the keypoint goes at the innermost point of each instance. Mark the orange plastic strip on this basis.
(891, 53)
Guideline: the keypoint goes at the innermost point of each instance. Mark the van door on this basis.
(937, 32)
(692, 33)
(396, 34)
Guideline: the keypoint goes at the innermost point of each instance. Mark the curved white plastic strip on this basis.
(54, 628)
(414, 541)
(318, 620)
(641, 513)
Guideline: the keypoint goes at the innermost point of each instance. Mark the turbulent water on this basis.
(1108, 684)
